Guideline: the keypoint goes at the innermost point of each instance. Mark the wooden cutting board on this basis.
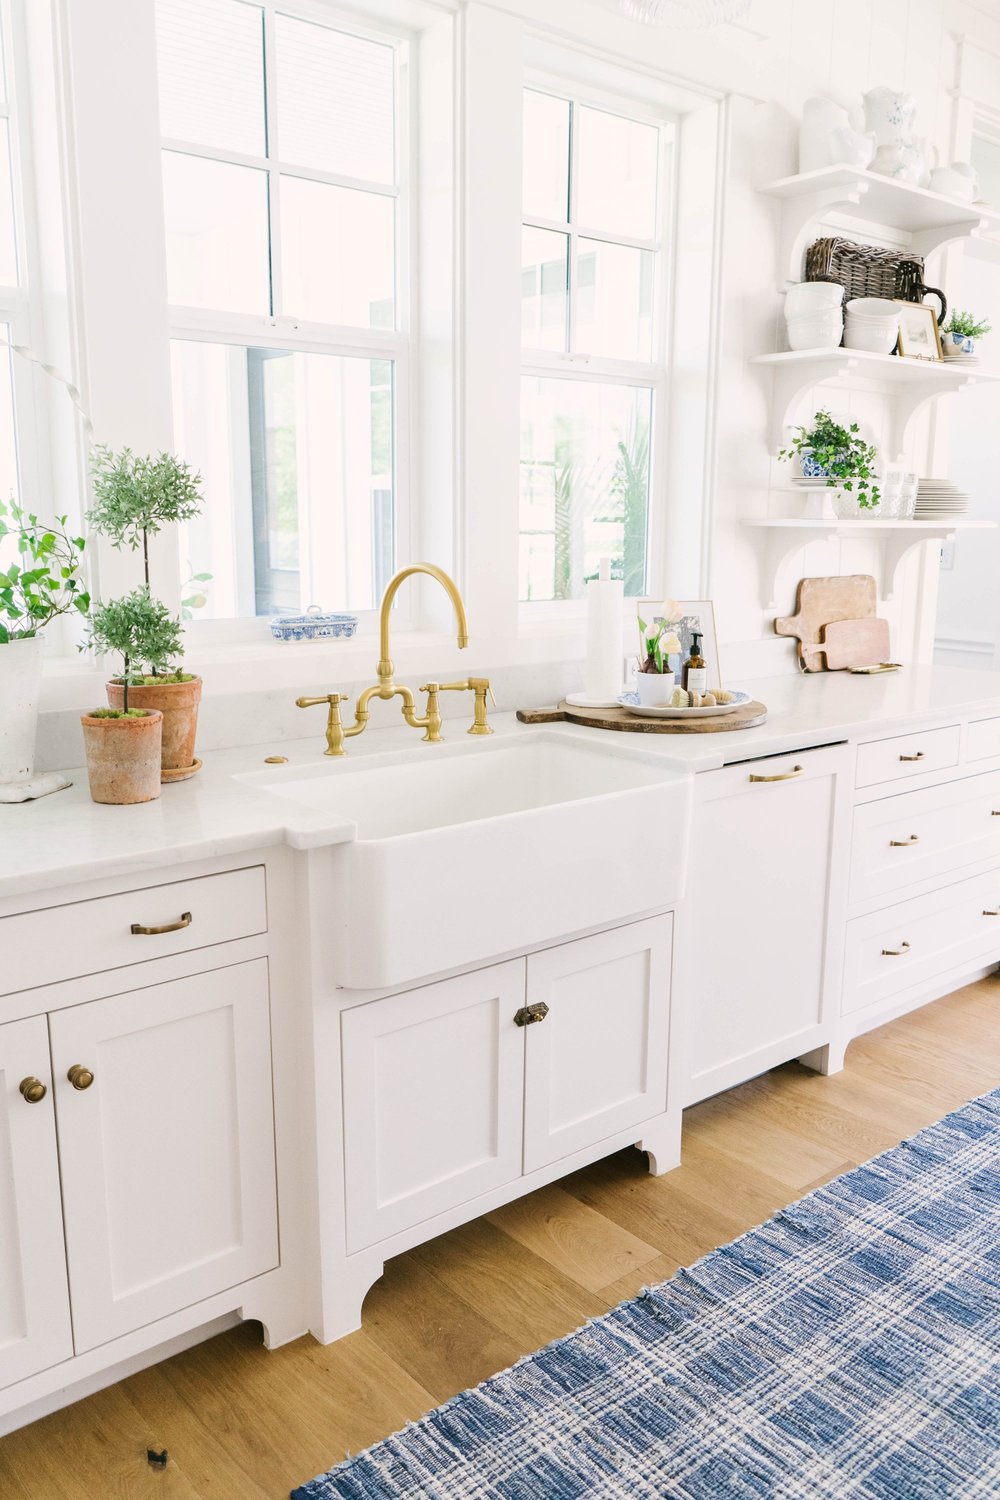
(823, 601)
(852, 643)
(747, 716)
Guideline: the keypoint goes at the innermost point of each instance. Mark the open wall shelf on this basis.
(787, 537)
(930, 219)
(912, 382)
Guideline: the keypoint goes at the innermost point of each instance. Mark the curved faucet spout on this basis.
(385, 668)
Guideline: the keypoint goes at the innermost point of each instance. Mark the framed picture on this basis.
(690, 616)
(919, 337)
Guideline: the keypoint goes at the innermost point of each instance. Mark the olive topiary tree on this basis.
(140, 630)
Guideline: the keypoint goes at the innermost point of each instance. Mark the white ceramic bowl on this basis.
(808, 297)
(877, 308)
(875, 338)
(815, 333)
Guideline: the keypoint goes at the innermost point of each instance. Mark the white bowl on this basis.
(807, 297)
(815, 333)
(874, 339)
(872, 307)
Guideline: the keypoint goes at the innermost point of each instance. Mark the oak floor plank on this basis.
(241, 1423)
(584, 1244)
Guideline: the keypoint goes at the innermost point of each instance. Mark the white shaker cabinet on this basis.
(762, 928)
(598, 1064)
(34, 1304)
(166, 1143)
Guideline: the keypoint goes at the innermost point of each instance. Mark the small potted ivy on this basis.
(42, 581)
(124, 742)
(959, 337)
(134, 497)
(827, 450)
(659, 640)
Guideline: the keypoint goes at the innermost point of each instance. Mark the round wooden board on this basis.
(748, 716)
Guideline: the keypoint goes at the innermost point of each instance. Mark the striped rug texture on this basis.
(849, 1346)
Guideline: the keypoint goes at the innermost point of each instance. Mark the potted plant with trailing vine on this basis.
(135, 496)
(124, 742)
(40, 579)
(959, 337)
(828, 450)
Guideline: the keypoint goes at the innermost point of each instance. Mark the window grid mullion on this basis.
(571, 249)
(273, 175)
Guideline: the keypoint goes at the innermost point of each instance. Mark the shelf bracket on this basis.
(924, 242)
(799, 218)
(904, 408)
(790, 385)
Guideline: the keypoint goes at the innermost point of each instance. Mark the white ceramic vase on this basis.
(654, 688)
(20, 686)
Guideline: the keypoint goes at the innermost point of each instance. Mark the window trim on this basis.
(279, 330)
(657, 373)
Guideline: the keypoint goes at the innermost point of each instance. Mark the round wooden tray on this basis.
(747, 716)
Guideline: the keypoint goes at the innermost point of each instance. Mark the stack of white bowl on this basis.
(814, 315)
(872, 323)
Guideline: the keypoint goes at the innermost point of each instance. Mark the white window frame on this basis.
(287, 331)
(653, 375)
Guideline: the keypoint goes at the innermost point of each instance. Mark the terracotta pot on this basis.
(178, 703)
(123, 758)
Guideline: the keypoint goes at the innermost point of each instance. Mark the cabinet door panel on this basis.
(433, 1081)
(167, 1159)
(597, 1063)
(34, 1301)
(766, 885)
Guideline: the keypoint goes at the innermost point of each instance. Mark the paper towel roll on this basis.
(603, 674)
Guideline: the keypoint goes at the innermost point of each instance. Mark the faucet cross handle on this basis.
(334, 726)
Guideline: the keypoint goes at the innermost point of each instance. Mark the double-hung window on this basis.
(283, 180)
(13, 311)
(594, 338)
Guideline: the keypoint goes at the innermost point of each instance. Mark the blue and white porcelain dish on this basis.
(631, 702)
(314, 625)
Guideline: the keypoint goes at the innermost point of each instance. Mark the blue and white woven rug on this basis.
(849, 1346)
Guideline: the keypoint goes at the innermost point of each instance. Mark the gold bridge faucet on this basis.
(387, 687)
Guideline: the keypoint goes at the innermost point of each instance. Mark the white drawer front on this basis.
(902, 840)
(86, 937)
(913, 942)
(908, 755)
(982, 740)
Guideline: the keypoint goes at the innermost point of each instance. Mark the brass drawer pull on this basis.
(896, 952)
(781, 776)
(529, 1014)
(139, 931)
(987, 913)
(32, 1090)
(919, 756)
(905, 843)
(995, 813)
(80, 1077)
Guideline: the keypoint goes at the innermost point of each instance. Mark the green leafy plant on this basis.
(846, 459)
(45, 580)
(140, 630)
(135, 496)
(967, 326)
(659, 637)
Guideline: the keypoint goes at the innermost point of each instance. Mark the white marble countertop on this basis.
(66, 838)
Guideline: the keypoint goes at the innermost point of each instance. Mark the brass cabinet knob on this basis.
(529, 1014)
(80, 1077)
(32, 1090)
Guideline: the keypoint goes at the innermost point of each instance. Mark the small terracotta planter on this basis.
(123, 757)
(178, 703)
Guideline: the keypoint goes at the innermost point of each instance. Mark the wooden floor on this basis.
(242, 1424)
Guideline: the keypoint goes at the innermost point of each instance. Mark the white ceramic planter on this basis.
(20, 685)
(654, 688)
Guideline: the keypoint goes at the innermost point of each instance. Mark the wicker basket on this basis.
(867, 271)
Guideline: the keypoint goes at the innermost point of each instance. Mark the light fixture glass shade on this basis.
(681, 13)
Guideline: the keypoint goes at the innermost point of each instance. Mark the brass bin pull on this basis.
(896, 952)
(138, 930)
(919, 756)
(781, 776)
(529, 1014)
(905, 843)
(80, 1077)
(987, 913)
(32, 1090)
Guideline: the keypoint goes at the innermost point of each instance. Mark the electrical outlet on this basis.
(947, 556)
(631, 670)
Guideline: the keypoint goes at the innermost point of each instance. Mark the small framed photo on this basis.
(686, 618)
(919, 337)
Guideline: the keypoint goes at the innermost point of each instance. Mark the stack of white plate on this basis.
(940, 497)
(960, 359)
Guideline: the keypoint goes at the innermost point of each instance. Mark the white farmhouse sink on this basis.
(463, 853)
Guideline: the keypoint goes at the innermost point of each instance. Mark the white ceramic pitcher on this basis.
(827, 139)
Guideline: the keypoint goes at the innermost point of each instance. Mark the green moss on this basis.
(118, 713)
(163, 679)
